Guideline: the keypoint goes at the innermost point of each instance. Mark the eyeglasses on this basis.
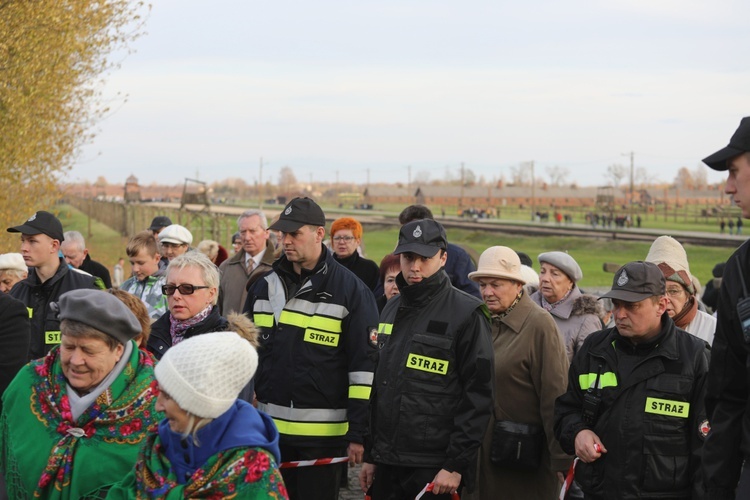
(185, 289)
(675, 292)
(343, 238)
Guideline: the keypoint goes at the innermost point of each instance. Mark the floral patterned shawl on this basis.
(242, 472)
(44, 453)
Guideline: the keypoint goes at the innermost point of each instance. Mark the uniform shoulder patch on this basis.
(704, 428)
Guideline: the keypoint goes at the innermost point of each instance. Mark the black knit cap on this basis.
(41, 223)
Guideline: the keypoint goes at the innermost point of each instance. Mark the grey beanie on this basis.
(564, 262)
(99, 310)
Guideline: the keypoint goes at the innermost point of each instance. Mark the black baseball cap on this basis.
(738, 144)
(424, 237)
(636, 281)
(160, 222)
(299, 212)
(41, 223)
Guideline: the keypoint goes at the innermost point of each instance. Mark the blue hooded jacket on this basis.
(240, 426)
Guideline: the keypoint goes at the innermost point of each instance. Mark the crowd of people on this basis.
(210, 375)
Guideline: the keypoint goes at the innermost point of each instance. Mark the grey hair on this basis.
(75, 237)
(209, 271)
(254, 211)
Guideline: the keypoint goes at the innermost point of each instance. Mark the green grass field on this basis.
(105, 246)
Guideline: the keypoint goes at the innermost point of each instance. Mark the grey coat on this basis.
(575, 317)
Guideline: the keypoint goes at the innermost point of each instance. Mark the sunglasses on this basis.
(185, 289)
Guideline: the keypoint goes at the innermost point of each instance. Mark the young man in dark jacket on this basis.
(432, 395)
(633, 412)
(49, 278)
(728, 393)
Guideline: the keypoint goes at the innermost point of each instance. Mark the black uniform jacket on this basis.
(651, 417)
(36, 296)
(433, 390)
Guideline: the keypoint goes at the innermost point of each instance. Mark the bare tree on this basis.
(558, 176)
(616, 173)
(700, 177)
(421, 178)
(521, 175)
(644, 178)
(684, 179)
(287, 179)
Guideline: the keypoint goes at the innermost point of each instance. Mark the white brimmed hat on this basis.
(499, 262)
(177, 234)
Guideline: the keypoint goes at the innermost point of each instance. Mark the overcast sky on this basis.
(340, 88)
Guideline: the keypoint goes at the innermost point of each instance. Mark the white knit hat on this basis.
(205, 374)
(667, 253)
(177, 234)
(499, 262)
(12, 261)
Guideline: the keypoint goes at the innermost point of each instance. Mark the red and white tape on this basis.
(311, 463)
(428, 487)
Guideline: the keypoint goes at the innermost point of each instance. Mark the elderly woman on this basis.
(138, 308)
(73, 421)
(192, 284)
(670, 256)
(215, 252)
(175, 240)
(346, 237)
(558, 294)
(530, 373)
(12, 270)
(390, 266)
(210, 445)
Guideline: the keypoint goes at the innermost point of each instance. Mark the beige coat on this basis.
(531, 371)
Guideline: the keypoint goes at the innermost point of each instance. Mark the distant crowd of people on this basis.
(252, 373)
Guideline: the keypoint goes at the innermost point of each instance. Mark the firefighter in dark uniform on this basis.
(318, 325)
(432, 394)
(633, 412)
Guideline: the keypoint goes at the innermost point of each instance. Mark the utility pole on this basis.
(408, 181)
(368, 178)
(632, 195)
(533, 191)
(260, 184)
(463, 181)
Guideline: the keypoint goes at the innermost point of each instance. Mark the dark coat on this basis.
(36, 296)
(160, 339)
(14, 339)
(364, 269)
(97, 270)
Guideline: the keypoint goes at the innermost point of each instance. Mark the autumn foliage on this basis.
(54, 55)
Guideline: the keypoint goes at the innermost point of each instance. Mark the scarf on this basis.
(497, 318)
(178, 327)
(684, 317)
(548, 307)
(116, 421)
(241, 472)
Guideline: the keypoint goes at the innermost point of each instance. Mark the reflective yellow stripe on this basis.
(52, 337)
(359, 391)
(426, 364)
(311, 429)
(263, 320)
(322, 338)
(666, 407)
(304, 321)
(385, 328)
(587, 380)
(31, 312)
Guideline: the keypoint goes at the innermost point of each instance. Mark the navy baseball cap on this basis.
(41, 223)
(738, 144)
(299, 212)
(424, 237)
(637, 281)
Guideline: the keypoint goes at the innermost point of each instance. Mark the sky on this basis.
(398, 90)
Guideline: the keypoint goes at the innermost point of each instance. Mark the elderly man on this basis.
(317, 322)
(41, 236)
(244, 267)
(12, 270)
(633, 412)
(728, 393)
(74, 421)
(432, 394)
(77, 255)
(174, 241)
